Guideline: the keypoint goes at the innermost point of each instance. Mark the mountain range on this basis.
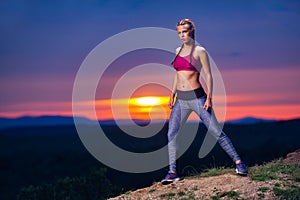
(69, 120)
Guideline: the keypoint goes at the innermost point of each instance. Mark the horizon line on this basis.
(131, 119)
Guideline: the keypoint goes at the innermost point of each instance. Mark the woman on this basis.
(190, 96)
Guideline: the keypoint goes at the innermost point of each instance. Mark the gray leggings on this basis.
(180, 112)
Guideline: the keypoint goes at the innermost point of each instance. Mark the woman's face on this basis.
(184, 33)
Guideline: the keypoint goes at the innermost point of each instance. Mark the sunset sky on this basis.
(255, 45)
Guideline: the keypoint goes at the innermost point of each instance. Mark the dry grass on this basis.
(275, 180)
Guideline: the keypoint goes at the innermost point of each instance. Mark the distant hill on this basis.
(250, 120)
(27, 121)
(68, 120)
(40, 121)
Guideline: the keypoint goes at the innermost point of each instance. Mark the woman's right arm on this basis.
(173, 92)
(174, 87)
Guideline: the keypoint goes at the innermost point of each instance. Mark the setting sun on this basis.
(149, 101)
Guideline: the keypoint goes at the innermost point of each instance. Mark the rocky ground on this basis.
(224, 186)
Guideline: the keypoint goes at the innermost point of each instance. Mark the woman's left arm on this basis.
(208, 76)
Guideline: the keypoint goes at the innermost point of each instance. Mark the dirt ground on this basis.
(226, 186)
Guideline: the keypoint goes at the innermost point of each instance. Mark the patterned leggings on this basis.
(180, 112)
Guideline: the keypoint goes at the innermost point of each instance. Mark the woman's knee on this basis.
(216, 132)
(172, 133)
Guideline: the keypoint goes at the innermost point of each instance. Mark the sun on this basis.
(149, 101)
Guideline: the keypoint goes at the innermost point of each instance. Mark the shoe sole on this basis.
(166, 182)
(240, 173)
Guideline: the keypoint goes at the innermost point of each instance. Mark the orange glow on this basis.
(237, 107)
(146, 108)
(149, 101)
(258, 92)
(280, 112)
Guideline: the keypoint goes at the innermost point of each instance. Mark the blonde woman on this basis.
(190, 96)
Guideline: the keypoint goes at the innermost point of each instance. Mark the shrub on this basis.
(94, 186)
(287, 194)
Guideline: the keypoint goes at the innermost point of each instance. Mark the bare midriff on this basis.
(187, 80)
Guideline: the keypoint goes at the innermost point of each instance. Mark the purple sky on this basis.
(43, 43)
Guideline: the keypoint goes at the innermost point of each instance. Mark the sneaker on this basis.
(170, 178)
(241, 169)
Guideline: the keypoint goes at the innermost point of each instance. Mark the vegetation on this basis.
(292, 193)
(215, 197)
(263, 189)
(168, 195)
(152, 190)
(182, 195)
(232, 194)
(274, 170)
(95, 186)
(284, 174)
(40, 159)
(215, 171)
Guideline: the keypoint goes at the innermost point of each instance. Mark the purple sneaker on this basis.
(170, 178)
(241, 169)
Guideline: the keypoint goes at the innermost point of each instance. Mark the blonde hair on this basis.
(191, 26)
(191, 34)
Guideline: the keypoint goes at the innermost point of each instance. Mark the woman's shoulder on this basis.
(200, 49)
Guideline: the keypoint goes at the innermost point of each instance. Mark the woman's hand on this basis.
(171, 101)
(207, 104)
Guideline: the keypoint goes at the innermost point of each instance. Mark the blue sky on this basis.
(43, 43)
(65, 31)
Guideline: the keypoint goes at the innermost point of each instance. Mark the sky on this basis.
(255, 45)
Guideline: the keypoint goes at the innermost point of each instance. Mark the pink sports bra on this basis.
(182, 63)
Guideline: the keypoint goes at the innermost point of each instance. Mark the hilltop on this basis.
(42, 156)
(278, 179)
